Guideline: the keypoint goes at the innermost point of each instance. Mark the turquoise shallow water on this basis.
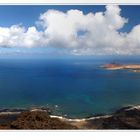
(73, 87)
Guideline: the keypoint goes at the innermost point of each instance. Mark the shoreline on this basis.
(13, 112)
(124, 118)
(16, 111)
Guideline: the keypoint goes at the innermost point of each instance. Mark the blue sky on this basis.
(20, 19)
(27, 15)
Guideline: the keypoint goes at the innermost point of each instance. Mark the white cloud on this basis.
(79, 33)
(11, 36)
(32, 37)
(18, 36)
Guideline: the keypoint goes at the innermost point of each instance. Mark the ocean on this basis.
(72, 87)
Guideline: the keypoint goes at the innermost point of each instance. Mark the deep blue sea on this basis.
(73, 87)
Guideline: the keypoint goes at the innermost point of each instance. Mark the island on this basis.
(117, 66)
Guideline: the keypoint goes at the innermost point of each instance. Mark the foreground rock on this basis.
(39, 120)
(34, 120)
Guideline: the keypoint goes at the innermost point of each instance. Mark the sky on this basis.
(84, 30)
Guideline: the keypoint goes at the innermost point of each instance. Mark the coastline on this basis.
(40, 109)
(124, 118)
(52, 116)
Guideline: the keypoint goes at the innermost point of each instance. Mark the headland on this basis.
(124, 118)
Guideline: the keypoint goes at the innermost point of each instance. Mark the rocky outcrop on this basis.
(38, 120)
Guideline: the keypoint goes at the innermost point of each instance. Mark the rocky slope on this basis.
(37, 119)
(125, 118)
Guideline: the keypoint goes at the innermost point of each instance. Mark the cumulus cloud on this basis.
(18, 36)
(78, 33)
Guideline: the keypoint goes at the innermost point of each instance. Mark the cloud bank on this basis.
(76, 33)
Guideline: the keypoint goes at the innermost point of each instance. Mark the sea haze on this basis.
(76, 87)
